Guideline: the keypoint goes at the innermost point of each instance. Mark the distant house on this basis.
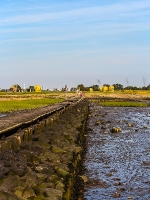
(91, 89)
(106, 88)
(111, 88)
(15, 88)
(101, 89)
(37, 88)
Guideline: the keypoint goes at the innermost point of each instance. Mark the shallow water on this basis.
(2, 115)
(118, 164)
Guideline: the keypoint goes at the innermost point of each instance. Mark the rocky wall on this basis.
(43, 162)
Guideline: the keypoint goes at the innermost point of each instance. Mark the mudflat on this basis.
(118, 153)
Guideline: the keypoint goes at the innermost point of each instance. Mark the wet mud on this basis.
(117, 163)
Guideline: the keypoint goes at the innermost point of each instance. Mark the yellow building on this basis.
(37, 88)
(91, 89)
(105, 88)
(111, 88)
(101, 89)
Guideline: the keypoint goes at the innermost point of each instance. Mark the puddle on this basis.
(118, 164)
(3, 115)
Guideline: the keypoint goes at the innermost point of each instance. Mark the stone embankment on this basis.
(42, 162)
(11, 122)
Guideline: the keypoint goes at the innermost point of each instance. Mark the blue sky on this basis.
(57, 43)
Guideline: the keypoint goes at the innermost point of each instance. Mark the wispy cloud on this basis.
(106, 12)
(94, 34)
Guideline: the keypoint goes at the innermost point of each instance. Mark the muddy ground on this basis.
(118, 164)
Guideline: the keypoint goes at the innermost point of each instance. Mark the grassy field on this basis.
(30, 93)
(10, 101)
(59, 93)
(123, 104)
(13, 105)
(123, 92)
(34, 95)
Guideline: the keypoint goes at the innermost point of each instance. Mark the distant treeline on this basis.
(117, 86)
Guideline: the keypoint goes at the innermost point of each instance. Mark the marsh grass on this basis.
(13, 105)
(123, 104)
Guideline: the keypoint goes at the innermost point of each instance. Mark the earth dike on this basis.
(44, 161)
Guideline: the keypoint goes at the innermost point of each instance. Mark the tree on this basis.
(107, 85)
(148, 87)
(15, 88)
(31, 88)
(86, 88)
(81, 87)
(131, 88)
(95, 87)
(118, 86)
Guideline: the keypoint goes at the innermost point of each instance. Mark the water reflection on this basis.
(3, 115)
(118, 164)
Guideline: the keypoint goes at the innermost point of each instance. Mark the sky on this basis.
(58, 43)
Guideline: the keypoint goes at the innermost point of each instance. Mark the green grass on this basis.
(12, 105)
(123, 104)
(30, 93)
